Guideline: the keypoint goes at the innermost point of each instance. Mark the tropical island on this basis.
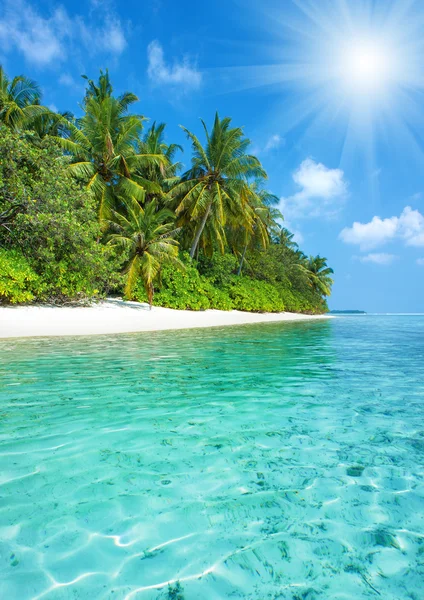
(182, 415)
(100, 205)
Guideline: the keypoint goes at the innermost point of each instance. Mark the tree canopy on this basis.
(97, 204)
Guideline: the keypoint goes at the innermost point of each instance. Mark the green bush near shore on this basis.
(221, 289)
(53, 230)
(18, 281)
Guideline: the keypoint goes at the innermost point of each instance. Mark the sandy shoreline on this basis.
(116, 316)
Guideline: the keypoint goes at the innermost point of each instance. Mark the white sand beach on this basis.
(116, 316)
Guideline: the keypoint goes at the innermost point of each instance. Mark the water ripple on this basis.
(261, 462)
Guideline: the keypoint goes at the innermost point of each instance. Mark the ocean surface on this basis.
(273, 461)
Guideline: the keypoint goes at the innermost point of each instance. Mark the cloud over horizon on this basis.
(180, 74)
(408, 227)
(322, 191)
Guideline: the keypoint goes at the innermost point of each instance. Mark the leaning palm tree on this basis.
(103, 146)
(322, 280)
(253, 231)
(19, 100)
(286, 238)
(318, 273)
(215, 187)
(147, 236)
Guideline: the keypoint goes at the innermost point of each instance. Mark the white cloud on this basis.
(180, 73)
(369, 235)
(37, 38)
(114, 37)
(274, 142)
(381, 258)
(322, 191)
(48, 39)
(107, 36)
(420, 262)
(409, 227)
(66, 79)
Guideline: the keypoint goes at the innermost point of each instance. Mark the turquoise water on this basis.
(280, 461)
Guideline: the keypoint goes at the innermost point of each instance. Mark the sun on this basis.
(349, 70)
(367, 66)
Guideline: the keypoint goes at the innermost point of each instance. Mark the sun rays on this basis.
(350, 69)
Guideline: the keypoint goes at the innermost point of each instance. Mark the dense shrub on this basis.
(219, 298)
(52, 221)
(278, 265)
(218, 268)
(183, 289)
(187, 289)
(18, 281)
(254, 296)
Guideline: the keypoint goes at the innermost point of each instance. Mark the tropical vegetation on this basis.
(100, 204)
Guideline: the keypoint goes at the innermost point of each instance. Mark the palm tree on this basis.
(254, 230)
(318, 273)
(286, 238)
(146, 234)
(215, 187)
(19, 100)
(103, 146)
(101, 90)
(158, 178)
(51, 124)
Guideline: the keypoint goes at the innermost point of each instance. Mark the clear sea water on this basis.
(279, 461)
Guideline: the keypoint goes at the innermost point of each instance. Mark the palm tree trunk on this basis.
(200, 230)
(150, 293)
(242, 260)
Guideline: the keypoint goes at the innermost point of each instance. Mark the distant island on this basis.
(347, 312)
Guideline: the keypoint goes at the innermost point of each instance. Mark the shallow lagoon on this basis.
(273, 461)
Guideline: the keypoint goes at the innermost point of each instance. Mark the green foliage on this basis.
(103, 147)
(286, 287)
(19, 101)
(285, 267)
(188, 290)
(18, 281)
(146, 235)
(182, 289)
(301, 302)
(158, 178)
(216, 188)
(83, 198)
(218, 268)
(52, 221)
(252, 295)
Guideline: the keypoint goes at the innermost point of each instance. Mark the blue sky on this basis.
(329, 92)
